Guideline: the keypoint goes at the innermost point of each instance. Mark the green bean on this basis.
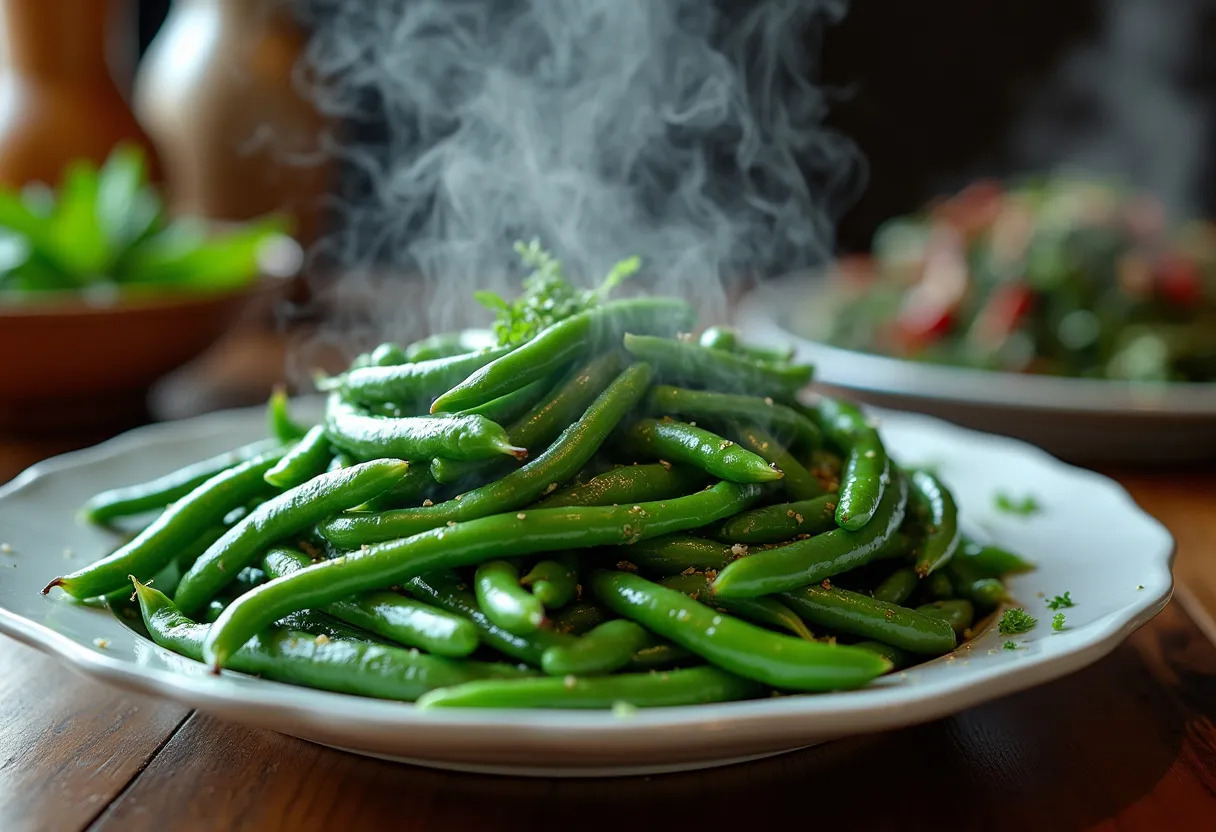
(985, 593)
(514, 404)
(388, 354)
(661, 656)
(467, 544)
(355, 667)
(605, 648)
(561, 461)
(686, 362)
(167, 578)
(415, 437)
(780, 522)
(416, 486)
(941, 515)
(553, 582)
(444, 344)
(282, 427)
(544, 422)
(160, 492)
(898, 586)
(287, 514)
(174, 530)
(798, 482)
(867, 470)
(681, 442)
(413, 382)
(307, 459)
(957, 613)
(341, 460)
(673, 554)
(642, 690)
(561, 342)
(629, 484)
(988, 561)
(504, 601)
(445, 590)
(767, 611)
(861, 615)
(680, 401)
(897, 657)
(815, 558)
(577, 619)
(388, 614)
(725, 338)
(734, 645)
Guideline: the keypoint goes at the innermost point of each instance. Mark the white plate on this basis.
(1091, 540)
(1083, 419)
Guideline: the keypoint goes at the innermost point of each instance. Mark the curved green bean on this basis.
(686, 362)
(681, 442)
(860, 615)
(734, 645)
(942, 535)
(553, 582)
(867, 469)
(605, 648)
(278, 419)
(287, 514)
(307, 459)
(767, 611)
(958, 613)
(415, 437)
(504, 601)
(561, 342)
(798, 482)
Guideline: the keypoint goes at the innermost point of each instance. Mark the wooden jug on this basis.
(216, 91)
(58, 99)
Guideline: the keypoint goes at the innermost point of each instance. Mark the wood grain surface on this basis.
(1127, 744)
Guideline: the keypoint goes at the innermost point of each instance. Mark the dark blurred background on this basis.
(937, 93)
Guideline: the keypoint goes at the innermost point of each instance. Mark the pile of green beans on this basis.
(651, 524)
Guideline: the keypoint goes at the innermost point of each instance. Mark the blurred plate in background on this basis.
(1085, 420)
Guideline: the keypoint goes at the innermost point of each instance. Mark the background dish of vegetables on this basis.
(1057, 276)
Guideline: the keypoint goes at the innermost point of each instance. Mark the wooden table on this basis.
(1127, 744)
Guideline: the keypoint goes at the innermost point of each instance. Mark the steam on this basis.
(1120, 107)
(605, 128)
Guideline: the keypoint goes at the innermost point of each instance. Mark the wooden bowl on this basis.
(69, 363)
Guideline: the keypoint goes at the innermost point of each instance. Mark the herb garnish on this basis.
(1015, 620)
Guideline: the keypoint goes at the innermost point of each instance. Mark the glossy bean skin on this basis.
(279, 422)
(767, 611)
(308, 458)
(673, 554)
(989, 561)
(544, 422)
(985, 593)
(861, 615)
(289, 513)
(815, 558)
(662, 656)
(798, 482)
(707, 406)
(445, 590)
(388, 614)
(732, 644)
(605, 648)
(577, 619)
(641, 690)
(160, 492)
(561, 461)
(686, 362)
(553, 582)
(174, 530)
(511, 406)
(417, 381)
(467, 544)
(562, 342)
(504, 601)
(630, 484)
(415, 437)
(867, 469)
(414, 487)
(898, 586)
(958, 613)
(681, 442)
(780, 522)
(300, 658)
(942, 535)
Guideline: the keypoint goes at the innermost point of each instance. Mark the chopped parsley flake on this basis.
(1015, 620)
(1025, 506)
(1061, 601)
(1057, 621)
(1010, 645)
